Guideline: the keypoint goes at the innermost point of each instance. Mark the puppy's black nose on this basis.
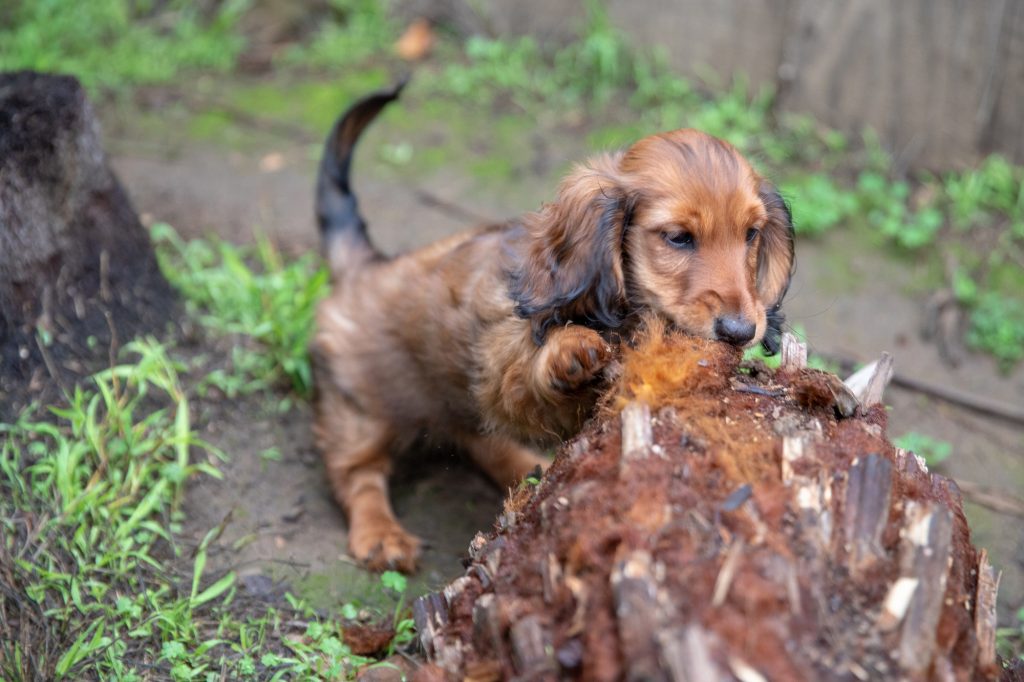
(734, 329)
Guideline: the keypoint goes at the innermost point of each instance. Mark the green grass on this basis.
(89, 499)
(95, 583)
(112, 44)
(1010, 640)
(362, 30)
(271, 301)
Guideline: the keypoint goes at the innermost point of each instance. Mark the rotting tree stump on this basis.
(77, 271)
(717, 522)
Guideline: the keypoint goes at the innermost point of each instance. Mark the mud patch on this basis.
(283, 530)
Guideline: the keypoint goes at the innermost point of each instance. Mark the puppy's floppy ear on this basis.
(571, 266)
(775, 261)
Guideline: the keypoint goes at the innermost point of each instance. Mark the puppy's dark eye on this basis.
(680, 240)
(752, 235)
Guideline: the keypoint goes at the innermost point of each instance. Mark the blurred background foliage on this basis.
(968, 223)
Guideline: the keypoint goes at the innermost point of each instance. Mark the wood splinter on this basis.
(870, 381)
(794, 352)
(637, 435)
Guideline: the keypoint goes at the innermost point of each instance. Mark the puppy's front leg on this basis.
(505, 461)
(356, 456)
(545, 393)
(571, 358)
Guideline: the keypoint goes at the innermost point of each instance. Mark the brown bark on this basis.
(77, 271)
(718, 522)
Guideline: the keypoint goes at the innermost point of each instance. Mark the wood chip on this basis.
(637, 437)
(794, 352)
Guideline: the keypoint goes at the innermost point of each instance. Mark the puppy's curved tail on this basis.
(342, 229)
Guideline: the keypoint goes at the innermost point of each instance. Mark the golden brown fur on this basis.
(495, 339)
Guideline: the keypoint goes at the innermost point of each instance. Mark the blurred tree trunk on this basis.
(77, 272)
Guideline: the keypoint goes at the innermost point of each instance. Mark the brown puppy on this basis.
(495, 339)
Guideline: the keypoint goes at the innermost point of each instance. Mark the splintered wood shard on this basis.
(870, 381)
(867, 510)
(793, 450)
(430, 614)
(686, 653)
(487, 629)
(727, 572)
(637, 436)
(924, 555)
(794, 352)
(637, 608)
(532, 650)
(985, 611)
(551, 574)
(844, 400)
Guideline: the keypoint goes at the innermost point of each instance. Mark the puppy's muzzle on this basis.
(734, 329)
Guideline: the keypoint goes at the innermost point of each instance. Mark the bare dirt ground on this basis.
(850, 299)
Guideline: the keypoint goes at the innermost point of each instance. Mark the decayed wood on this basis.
(924, 555)
(727, 572)
(868, 491)
(687, 655)
(430, 614)
(637, 437)
(487, 623)
(638, 611)
(771, 537)
(551, 573)
(985, 611)
(532, 650)
(843, 398)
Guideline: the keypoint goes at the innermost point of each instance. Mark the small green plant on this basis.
(997, 327)
(86, 499)
(933, 450)
(117, 43)
(814, 361)
(361, 30)
(404, 628)
(995, 186)
(272, 302)
(1010, 640)
(818, 203)
(886, 204)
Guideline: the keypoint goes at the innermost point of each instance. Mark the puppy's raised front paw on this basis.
(384, 545)
(574, 357)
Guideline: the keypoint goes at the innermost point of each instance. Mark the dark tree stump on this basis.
(713, 523)
(77, 272)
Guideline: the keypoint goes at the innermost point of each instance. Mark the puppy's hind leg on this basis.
(504, 460)
(356, 454)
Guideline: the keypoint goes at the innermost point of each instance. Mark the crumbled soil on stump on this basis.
(713, 485)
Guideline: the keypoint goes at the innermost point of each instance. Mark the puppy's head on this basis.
(678, 224)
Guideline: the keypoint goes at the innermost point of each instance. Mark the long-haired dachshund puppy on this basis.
(495, 339)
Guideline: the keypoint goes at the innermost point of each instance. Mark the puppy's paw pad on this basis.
(390, 549)
(579, 356)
